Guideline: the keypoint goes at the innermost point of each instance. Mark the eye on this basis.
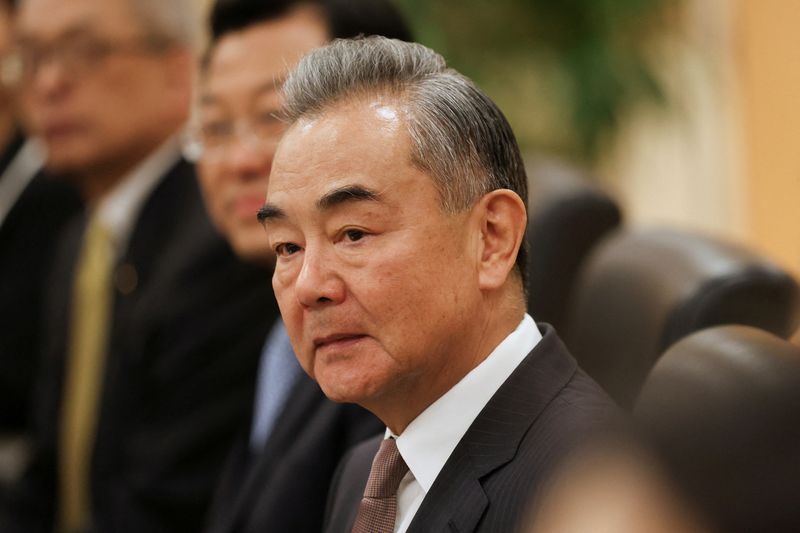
(217, 131)
(286, 249)
(354, 234)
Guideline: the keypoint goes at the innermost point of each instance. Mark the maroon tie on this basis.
(378, 508)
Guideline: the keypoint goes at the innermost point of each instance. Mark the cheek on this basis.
(210, 184)
(405, 296)
(424, 297)
(283, 279)
(292, 317)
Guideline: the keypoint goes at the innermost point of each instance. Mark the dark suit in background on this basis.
(27, 239)
(544, 409)
(179, 376)
(284, 488)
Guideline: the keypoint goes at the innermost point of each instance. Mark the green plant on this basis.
(564, 71)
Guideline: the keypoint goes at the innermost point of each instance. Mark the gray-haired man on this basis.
(396, 209)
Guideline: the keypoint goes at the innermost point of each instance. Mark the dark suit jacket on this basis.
(179, 376)
(491, 480)
(284, 488)
(27, 239)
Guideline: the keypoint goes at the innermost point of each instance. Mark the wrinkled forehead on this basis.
(362, 145)
(52, 19)
(364, 135)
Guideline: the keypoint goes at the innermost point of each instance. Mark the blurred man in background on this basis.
(153, 325)
(278, 475)
(33, 210)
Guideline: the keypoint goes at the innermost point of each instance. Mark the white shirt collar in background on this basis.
(120, 208)
(19, 173)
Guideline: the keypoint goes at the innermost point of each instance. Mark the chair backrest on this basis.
(568, 215)
(643, 290)
(721, 411)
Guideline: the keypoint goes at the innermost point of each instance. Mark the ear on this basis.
(502, 219)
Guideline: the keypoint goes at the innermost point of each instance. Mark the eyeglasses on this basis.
(212, 140)
(76, 55)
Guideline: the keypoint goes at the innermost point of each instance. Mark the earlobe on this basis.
(502, 230)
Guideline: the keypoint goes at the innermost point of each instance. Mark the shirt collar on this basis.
(429, 439)
(119, 209)
(20, 171)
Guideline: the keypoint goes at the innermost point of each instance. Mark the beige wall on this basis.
(768, 64)
(726, 158)
(684, 166)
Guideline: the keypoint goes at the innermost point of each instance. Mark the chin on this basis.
(341, 389)
(340, 395)
(59, 162)
(335, 395)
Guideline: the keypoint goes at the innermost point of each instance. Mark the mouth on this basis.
(58, 131)
(338, 341)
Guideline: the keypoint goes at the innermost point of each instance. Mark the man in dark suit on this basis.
(278, 474)
(396, 209)
(153, 325)
(33, 210)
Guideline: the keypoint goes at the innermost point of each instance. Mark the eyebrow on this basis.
(331, 199)
(346, 194)
(82, 28)
(270, 212)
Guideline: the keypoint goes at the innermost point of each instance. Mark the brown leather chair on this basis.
(567, 216)
(721, 411)
(643, 290)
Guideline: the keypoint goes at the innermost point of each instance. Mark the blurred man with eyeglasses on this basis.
(33, 209)
(278, 475)
(153, 325)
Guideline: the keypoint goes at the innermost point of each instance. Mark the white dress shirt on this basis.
(119, 209)
(18, 175)
(429, 439)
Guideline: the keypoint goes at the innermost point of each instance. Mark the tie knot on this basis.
(388, 469)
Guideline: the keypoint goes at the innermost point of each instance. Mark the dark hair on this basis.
(346, 18)
(459, 137)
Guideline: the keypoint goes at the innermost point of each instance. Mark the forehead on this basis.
(362, 141)
(50, 19)
(260, 56)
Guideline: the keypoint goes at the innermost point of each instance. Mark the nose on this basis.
(246, 161)
(49, 80)
(318, 283)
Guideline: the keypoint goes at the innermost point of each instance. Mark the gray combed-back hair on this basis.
(459, 136)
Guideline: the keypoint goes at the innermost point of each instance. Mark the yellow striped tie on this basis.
(89, 325)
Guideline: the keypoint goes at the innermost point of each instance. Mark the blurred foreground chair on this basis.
(720, 410)
(568, 215)
(641, 291)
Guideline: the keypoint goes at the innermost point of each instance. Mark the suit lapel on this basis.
(457, 500)
(151, 233)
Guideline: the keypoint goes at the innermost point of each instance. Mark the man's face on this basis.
(241, 89)
(6, 41)
(376, 284)
(100, 93)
